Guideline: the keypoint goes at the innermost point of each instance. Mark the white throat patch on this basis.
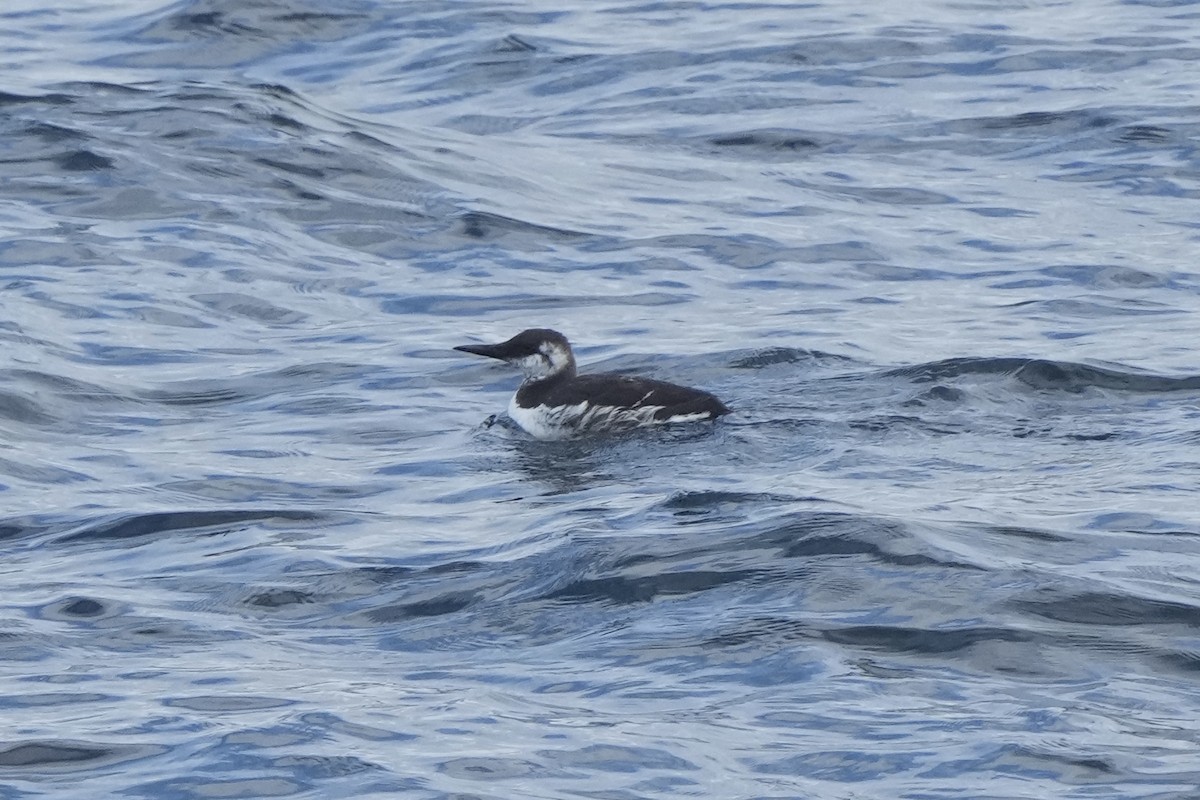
(556, 355)
(550, 359)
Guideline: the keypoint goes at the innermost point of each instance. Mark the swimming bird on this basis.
(554, 402)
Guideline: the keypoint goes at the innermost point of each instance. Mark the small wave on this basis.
(1060, 121)
(473, 305)
(136, 525)
(15, 408)
(628, 589)
(69, 755)
(695, 502)
(1048, 375)
(1109, 608)
(762, 142)
(284, 381)
(56, 99)
(771, 356)
(924, 641)
(491, 227)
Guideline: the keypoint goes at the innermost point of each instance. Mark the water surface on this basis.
(260, 541)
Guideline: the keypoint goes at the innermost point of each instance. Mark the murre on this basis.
(553, 402)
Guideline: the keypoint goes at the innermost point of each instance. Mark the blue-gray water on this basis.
(258, 541)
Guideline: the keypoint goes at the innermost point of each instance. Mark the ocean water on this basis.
(260, 539)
